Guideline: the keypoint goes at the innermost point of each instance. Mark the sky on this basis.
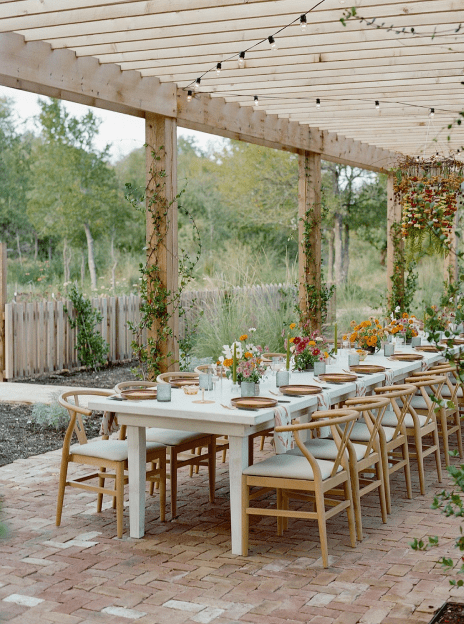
(124, 132)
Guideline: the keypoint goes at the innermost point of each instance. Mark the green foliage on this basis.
(403, 278)
(91, 348)
(52, 416)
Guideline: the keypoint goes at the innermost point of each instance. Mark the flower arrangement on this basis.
(367, 334)
(309, 349)
(242, 360)
(406, 326)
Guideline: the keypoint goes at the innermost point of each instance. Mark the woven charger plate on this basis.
(180, 382)
(407, 357)
(253, 402)
(428, 349)
(141, 394)
(338, 377)
(299, 389)
(367, 368)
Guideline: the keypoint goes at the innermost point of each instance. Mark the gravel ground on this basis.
(19, 438)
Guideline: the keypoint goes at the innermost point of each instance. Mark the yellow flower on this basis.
(228, 362)
(405, 315)
(291, 340)
(311, 343)
(247, 355)
(292, 325)
(345, 337)
(244, 337)
(353, 337)
(326, 355)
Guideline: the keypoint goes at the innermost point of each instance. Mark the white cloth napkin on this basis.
(424, 366)
(323, 400)
(284, 441)
(389, 376)
(109, 423)
(360, 387)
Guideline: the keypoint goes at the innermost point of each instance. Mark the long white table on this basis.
(183, 414)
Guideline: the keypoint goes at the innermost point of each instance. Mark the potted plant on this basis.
(367, 335)
(309, 349)
(405, 326)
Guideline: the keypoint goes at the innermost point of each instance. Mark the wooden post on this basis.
(393, 216)
(3, 285)
(161, 132)
(309, 236)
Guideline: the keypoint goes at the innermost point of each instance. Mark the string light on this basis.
(255, 101)
(272, 42)
(318, 103)
(196, 86)
(432, 113)
(377, 104)
(303, 22)
(241, 60)
(189, 96)
(218, 68)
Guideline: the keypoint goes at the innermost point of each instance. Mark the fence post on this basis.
(2, 309)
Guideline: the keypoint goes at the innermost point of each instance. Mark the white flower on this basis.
(252, 329)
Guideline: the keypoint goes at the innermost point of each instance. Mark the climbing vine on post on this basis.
(159, 304)
(403, 286)
(314, 293)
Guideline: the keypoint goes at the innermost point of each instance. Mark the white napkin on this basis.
(389, 376)
(323, 400)
(109, 424)
(360, 387)
(284, 441)
(424, 366)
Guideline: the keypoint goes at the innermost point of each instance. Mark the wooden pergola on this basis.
(141, 58)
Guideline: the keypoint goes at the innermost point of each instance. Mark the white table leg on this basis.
(238, 460)
(136, 439)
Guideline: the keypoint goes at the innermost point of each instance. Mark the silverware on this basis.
(228, 406)
(288, 401)
(275, 393)
(117, 398)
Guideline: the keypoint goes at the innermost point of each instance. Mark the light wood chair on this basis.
(421, 422)
(185, 448)
(303, 477)
(393, 438)
(106, 455)
(365, 455)
(448, 414)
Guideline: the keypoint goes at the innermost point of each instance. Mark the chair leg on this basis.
(251, 442)
(279, 518)
(173, 473)
(320, 509)
(407, 469)
(197, 467)
(101, 483)
(457, 422)
(224, 452)
(350, 513)
(354, 480)
(386, 477)
(420, 459)
(444, 433)
(151, 490)
(61, 488)
(437, 456)
(212, 468)
(119, 498)
(261, 444)
(380, 477)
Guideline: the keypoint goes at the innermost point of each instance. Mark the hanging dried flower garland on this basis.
(429, 190)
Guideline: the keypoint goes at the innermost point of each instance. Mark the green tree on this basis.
(74, 190)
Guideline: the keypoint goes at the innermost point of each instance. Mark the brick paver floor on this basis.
(183, 571)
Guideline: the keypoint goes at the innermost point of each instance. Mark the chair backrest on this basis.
(435, 384)
(452, 387)
(400, 393)
(165, 377)
(372, 410)
(334, 418)
(76, 412)
(133, 385)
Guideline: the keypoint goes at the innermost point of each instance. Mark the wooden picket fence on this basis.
(39, 338)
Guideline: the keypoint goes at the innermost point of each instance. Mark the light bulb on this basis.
(377, 104)
(272, 42)
(241, 60)
(255, 101)
(218, 68)
(189, 96)
(432, 113)
(303, 22)
(196, 86)
(318, 103)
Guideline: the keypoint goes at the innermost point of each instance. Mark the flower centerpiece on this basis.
(309, 349)
(246, 357)
(368, 335)
(404, 326)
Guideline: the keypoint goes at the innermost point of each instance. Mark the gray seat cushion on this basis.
(390, 420)
(361, 432)
(324, 448)
(288, 466)
(171, 437)
(113, 450)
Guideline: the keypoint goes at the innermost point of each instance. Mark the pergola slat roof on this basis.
(171, 42)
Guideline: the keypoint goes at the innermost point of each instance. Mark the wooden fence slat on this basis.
(9, 341)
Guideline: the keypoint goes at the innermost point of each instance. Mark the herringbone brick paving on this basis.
(183, 570)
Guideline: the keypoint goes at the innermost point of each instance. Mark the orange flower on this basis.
(291, 340)
(326, 355)
(292, 325)
(228, 362)
(353, 337)
(345, 337)
(311, 343)
(244, 337)
(405, 315)
(247, 355)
